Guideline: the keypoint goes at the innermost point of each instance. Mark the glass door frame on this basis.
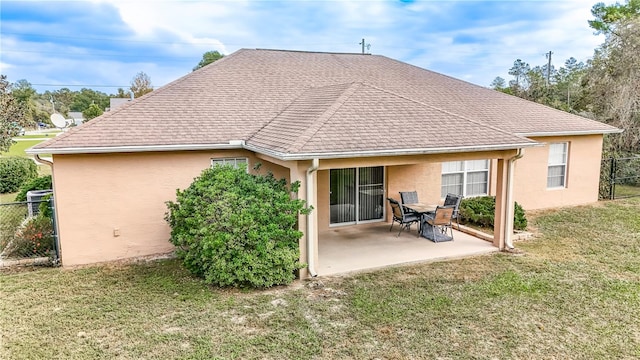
(357, 198)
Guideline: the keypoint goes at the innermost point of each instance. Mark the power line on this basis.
(81, 85)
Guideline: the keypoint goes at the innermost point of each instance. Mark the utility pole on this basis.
(549, 67)
(363, 45)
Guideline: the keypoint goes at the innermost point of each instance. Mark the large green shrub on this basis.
(15, 171)
(39, 183)
(237, 229)
(481, 211)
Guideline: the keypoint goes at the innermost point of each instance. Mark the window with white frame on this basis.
(467, 178)
(557, 167)
(228, 161)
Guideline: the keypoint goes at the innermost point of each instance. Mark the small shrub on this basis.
(39, 183)
(44, 208)
(481, 211)
(15, 171)
(32, 239)
(233, 228)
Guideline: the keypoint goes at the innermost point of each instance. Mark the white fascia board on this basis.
(397, 152)
(129, 149)
(570, 133)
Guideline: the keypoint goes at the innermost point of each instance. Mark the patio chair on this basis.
(438, 224)
(409, 197)
(454, 200)
(400, 216)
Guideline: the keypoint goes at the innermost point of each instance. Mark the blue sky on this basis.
(104, 44)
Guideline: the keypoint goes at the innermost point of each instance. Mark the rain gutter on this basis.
(570, 133)
(233, 144)
(391, 152)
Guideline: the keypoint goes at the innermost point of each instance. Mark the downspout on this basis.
(46, 162)
(508, 229)
(311, 226)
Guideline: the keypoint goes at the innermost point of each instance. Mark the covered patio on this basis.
(365, 247)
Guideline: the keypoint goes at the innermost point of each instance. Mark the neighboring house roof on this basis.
(294, 104)
(76, 115)
(115, 103)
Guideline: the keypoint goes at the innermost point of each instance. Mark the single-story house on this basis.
(354, 129)
(75, 118)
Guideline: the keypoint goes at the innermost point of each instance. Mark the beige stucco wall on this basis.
(583, 174)
(112, 206)
(402, 173)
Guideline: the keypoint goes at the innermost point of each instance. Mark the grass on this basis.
(38, 136)
(574, 293)
(626, 191)
(19, 147)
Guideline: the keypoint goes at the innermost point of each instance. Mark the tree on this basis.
(141, 84)
(208, 58)
(86, 97)
(121, 94)
(609, 17)
(91, 112)
(25, 94)
(12, 117)
(613, 84)
(498, 83)
(519, 70)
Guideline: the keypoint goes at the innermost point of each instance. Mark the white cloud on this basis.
(169, 37)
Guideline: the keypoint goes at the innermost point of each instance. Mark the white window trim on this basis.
(230, 161)
(565, 163)
(464, 173)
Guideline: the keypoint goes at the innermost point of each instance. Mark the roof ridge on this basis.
(447, 112)
(308, 134)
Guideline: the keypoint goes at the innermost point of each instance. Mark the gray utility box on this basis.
(34, 199)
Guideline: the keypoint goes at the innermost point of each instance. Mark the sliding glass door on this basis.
(356, 195)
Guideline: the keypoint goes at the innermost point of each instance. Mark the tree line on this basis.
(605, 88)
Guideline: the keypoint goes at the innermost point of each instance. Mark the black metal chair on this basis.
(454, 200)
(409, 197)
(400, 216)
(438, 224)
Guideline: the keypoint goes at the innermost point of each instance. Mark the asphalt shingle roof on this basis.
(293, 102)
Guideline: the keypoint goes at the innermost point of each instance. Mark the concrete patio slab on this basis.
(371, 246)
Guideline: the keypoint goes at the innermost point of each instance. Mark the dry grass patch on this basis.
(574, 294)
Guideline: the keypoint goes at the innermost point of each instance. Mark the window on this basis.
(557, 170)
(467, 178)
(228, 161)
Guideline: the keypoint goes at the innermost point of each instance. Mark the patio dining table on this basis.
(423, 209)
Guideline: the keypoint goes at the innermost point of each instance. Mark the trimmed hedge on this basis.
(481, 211)
(14, 172)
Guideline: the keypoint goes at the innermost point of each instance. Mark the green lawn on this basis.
(39, 136)
(572, 293)
(18, 148)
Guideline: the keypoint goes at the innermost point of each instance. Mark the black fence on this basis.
(28, 233)
(620, 178)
